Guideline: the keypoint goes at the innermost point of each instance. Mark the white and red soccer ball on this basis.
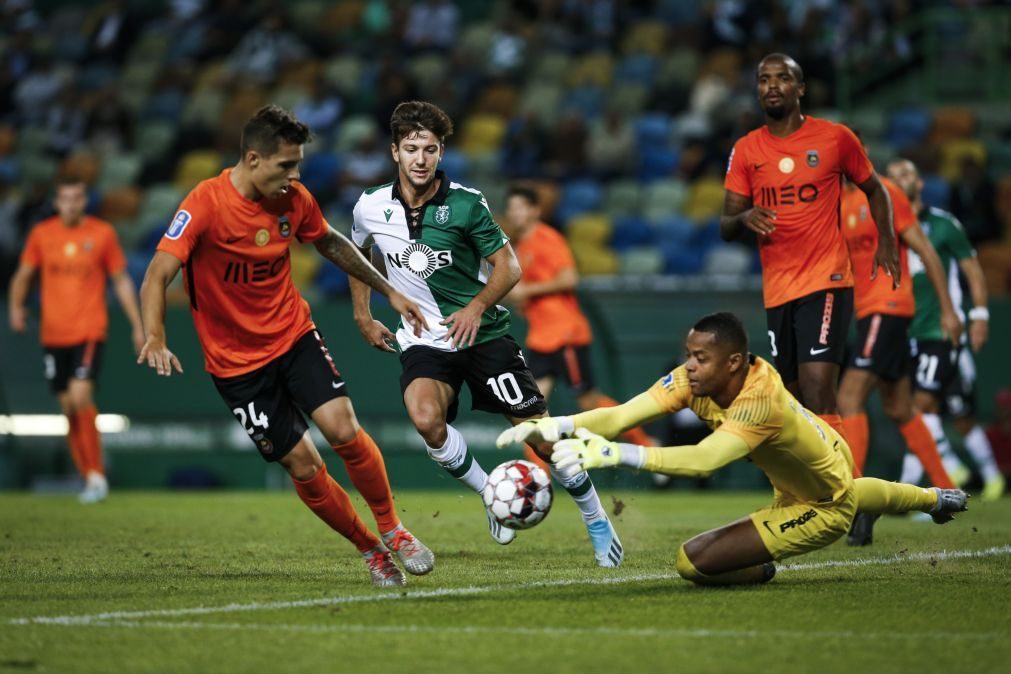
(518, 493)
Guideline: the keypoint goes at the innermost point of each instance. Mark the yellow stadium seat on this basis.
(954, 151)
(196, 166)
(482, 134)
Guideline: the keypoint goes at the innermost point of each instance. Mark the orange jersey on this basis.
(238, 271)
(877, 296)
(800, 178)
(555, 319)
(74, 263)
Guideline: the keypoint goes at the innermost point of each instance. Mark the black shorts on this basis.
(571, 363)
(960, 394)
(63, 363)
(268, 400)
(882, 346)
(936, 366)
(496, 374)
(810, 329)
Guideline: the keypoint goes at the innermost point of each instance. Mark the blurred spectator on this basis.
(522, 150)
(66, 121)
(11, 234)
(110, 125)
(367, 164)
(321, 109)
(999, 432)
(36, 91)
(611, 145)
(508, 47)
(972, 202)
(265, 49)
(566, 152)
(112, 32)
(432, 25)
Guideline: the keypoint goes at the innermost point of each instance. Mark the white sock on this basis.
(583, 492)
(948, 457)
(457, 461)
(912, 469)
(982, 453)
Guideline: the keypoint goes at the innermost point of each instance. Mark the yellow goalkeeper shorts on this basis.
(789, 528)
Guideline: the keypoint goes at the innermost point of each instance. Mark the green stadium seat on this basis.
(344, 73)
(352, 129)
(32, 140)
(428, 71)
(663, 198)
(204, 108)
(679, 67)
(119, 170)
(542, 100)
(628, 98)
(623, 198)
(154, 139)
(551, 67)
(37, 169)
(641, 260)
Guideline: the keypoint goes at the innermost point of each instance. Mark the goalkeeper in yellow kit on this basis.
(753, 415)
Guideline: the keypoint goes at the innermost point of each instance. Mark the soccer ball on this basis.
(518, 493)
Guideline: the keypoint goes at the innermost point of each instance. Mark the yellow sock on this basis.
(892, 498)
(747, 576)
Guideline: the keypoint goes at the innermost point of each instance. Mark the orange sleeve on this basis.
(852, 156)
(191, 220)
(554, 252)
(313, 225)
(31, 256)
(738, 178)
(903, 216)
(113, 259)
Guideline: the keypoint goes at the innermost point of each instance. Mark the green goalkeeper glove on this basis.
(534, 431)
(589, 450)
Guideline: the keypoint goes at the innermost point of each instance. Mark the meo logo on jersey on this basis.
(420, 259)
(178, 225)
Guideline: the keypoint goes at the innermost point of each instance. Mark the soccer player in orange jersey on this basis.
(783, 183)
(74, 253)
(264, 353)
(558, 336)
(881, 355)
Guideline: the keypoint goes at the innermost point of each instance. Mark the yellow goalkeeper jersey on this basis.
(802, 456)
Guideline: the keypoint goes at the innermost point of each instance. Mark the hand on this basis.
(463, 326)
(410, 311)
(759, 220)
(887, 257)
(377, 335)
(19, 318)
(979, 332)
(137, 337)
(585, 452)
(159, 357)
(536, 431)
(951, 326)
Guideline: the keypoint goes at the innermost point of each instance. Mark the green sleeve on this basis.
(487, 236)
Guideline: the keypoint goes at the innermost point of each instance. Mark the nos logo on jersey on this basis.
(420, 259)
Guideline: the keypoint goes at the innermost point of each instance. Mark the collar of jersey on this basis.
(438, 198)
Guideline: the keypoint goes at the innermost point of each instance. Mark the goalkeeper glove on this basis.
(589, 450)
(534, 431)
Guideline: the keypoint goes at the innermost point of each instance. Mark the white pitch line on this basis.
(95, 618)
(643, 632)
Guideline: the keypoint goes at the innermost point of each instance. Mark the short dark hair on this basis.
(798, 72)
(415, 116)
(268, 127)
(726, 328)
(528, 194)
(70, 180)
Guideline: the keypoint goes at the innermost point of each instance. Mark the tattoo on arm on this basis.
(336, 247)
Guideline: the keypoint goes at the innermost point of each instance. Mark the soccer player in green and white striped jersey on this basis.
(945, 375)
(442, 248)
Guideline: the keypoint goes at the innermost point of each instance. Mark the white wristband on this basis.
(633, 456)
(566, 427)
(979, 314)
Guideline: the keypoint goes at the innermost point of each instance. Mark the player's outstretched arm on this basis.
(951, 324)
(588, 451)
(336, 247)
(17, 295)
(154, 352)
(887, 254)
(126, 293)
(465, 323)
(740, 214)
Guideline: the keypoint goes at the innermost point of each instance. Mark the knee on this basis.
(850, 403)
(303, 470)
(430, 423)
(819, 396)
(684, 566)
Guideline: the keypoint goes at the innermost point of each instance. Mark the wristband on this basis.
(979, 314)
(633, 456)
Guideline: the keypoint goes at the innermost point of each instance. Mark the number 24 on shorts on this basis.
(254, 419)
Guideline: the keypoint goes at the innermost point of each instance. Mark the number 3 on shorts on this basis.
(255, 418)
(506, 388)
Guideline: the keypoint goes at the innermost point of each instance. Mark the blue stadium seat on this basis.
(657, 162)
(908, 126)
(454, 163)
(579, 196)
(587, 100)
(631, 232)
(680, 258)
(638, 68)
(936, 191)
(332, 281)
(320, 171)
(675, 229)
(653, 129)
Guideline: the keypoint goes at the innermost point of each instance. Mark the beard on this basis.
(776, 112)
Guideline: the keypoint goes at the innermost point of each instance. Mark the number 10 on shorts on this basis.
(506, 388)
(254, 419)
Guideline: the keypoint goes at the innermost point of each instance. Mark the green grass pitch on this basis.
(244, 582)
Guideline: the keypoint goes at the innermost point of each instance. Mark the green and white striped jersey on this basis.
(437, 256)
(952, 245)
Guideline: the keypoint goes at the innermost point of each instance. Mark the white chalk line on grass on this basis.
(122, 616)
(642, 632)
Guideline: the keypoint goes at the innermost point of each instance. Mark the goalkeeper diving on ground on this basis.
(753, 416)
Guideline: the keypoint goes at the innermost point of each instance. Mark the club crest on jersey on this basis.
(812, 158)
(420, 260)
(262, 237)
(284, 226)
(442, 214)
(178, 226)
